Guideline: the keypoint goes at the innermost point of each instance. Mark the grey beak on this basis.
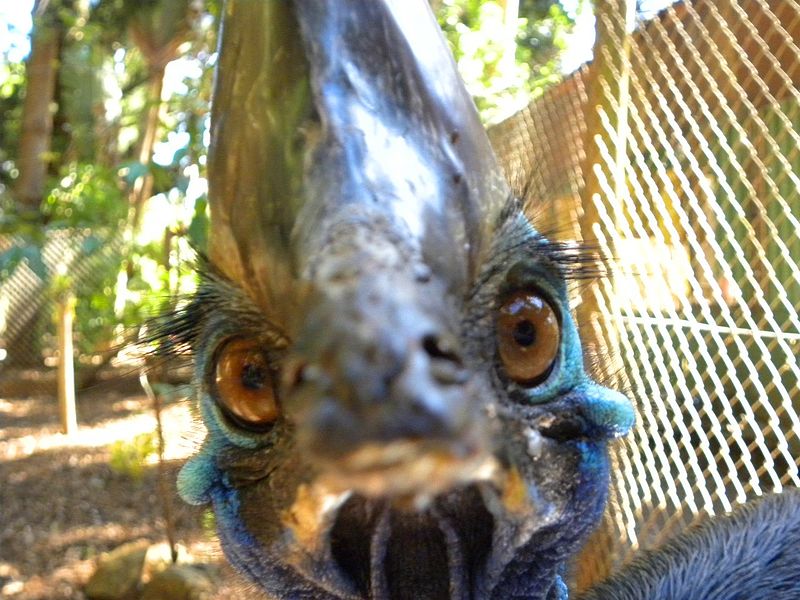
(401, 190)
(362, 223)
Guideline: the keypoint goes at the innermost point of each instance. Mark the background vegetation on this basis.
(104, 137)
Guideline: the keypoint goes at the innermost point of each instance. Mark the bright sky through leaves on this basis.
(15, 23)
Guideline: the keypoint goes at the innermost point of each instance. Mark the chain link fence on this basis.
(678, 151)
(29, 298)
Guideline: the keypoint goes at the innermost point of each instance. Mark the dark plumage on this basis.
(750, 554)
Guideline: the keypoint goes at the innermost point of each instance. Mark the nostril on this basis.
(446, 366)
(439, 349)
(293, 374)
(299, 374)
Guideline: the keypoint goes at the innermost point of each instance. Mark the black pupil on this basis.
(254, 376)
(525, 333)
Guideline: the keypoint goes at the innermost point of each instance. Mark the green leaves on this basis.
(505, 59)
(198, 228)
(86, 196)
(131, 458)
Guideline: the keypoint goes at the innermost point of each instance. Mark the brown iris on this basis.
(244, 384)
(528, 337)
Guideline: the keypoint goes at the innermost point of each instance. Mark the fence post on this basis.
(66, 370)
(606, 120)
(607, 93)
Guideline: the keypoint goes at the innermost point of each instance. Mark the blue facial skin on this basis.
(554, 435)
(594, 414)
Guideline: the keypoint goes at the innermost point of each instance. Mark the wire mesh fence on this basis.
(678, 151)
(29, 298)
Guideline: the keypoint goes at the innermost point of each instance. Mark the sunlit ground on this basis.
(64, 501)
(177, 423)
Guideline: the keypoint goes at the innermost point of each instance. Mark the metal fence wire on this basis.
(28, 344)
(678, 151)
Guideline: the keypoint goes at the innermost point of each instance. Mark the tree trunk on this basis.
(41, 72)
(143, 186)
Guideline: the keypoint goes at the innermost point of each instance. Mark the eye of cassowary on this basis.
(386, 365)
(244, 385)
(528, 337)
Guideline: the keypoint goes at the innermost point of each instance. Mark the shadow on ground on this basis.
(63, 506)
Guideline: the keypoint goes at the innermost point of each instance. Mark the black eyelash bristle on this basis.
(577, 261)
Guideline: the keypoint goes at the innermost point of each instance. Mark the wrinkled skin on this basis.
(406, 462)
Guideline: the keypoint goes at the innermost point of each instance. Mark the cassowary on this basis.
(385, 361)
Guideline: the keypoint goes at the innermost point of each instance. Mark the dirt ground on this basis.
(62, 504)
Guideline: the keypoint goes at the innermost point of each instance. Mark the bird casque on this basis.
(385, 362)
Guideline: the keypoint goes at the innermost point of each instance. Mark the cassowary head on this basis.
(386, 365)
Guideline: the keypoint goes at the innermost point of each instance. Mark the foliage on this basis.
(544, 25)
(101, 103)
(505, 66)
(123, 273)
(86, 195)
(129, 458)
(12, 80)
(87, 201)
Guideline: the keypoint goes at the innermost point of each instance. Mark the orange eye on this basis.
(244, 384)
(528, 337)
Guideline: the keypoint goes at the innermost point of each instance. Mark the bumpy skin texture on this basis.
(405, 464)
(553, 436)
(750, 554)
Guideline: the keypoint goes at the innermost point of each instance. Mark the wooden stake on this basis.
(66, 369)
(607, 96)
